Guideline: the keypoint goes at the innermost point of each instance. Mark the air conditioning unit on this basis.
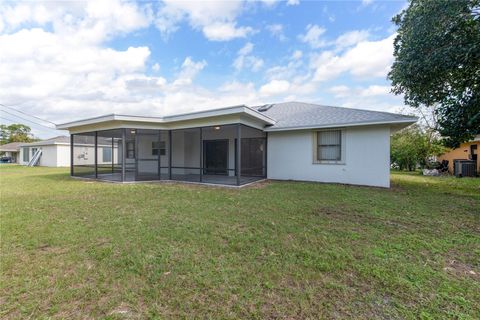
(464, 168)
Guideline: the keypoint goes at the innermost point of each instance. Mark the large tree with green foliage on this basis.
(414, 146)
(437, 63)
(15, 133)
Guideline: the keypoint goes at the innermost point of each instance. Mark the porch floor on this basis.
(210, 179)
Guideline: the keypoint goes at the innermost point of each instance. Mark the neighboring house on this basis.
(466, 151)
(285, 141)
(55, 152)
(11, 150)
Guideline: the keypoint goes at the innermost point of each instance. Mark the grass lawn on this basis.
(75, 249)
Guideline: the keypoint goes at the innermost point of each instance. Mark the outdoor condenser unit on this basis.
(464, 168)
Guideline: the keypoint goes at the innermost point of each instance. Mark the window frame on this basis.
(161, 149)
(342, 147)
(26, 154)
(128, 150)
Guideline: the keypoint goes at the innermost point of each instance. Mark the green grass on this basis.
(76, 249)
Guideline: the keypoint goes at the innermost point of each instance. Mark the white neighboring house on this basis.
(55, 152)
(284, 141)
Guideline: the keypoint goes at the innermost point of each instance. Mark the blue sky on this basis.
(68, 60)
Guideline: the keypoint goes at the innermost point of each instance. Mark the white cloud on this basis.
(220, 31)
(367, 2)
(276, 30)
(351, 38)
(281, 89)
(90, 21)
(269, 3)
(66, 70)
(293, 2)
(367, 59)
(373, 97)
(290, 71)
(340, 91)
(376, 90)
(297, 54)
(56, 77)
(216, 19)
(343, 91)
(246, 60)
(274, 87)
(313, 36)
(188, 71)
(246, 49)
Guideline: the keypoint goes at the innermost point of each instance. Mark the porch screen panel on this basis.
(109, 155)
(130, 154)
(253, 153)
(84, 155)
(186, 155)
(148, 150)
(163, 151)
(219, 154)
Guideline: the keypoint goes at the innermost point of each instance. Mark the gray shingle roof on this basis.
(12, 147)
(306, 115)
(55, 140)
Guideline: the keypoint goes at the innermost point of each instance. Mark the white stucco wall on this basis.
(49, 156)
(52, 155)
(63, 156)
(366, 162)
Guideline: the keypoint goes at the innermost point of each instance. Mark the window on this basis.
(26, 155)
(159, 147)
(130, 150)
(33, 151)
(329, 146)
(107, 154)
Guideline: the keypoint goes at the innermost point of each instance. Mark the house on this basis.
(466, 151)
(54, 152)
(11, 150)
(238, 145)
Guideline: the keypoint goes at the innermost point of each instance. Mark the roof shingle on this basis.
(54, 140)
(290, 115)
(11, 147)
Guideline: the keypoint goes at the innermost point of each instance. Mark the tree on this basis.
(3, 134)
(414, 146)
(15, 133)
(437, 63)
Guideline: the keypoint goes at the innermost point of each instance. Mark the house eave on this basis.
(171, 120)
(40, 144)
(403, 123)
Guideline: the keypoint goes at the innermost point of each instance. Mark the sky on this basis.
(67, 60)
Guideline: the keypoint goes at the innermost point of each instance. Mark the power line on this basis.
(13, 121)
(30, 115)
(39, 124)
(36, 124)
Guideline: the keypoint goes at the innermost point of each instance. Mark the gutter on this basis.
(337, 125)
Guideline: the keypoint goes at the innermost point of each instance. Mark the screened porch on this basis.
(203, 155)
